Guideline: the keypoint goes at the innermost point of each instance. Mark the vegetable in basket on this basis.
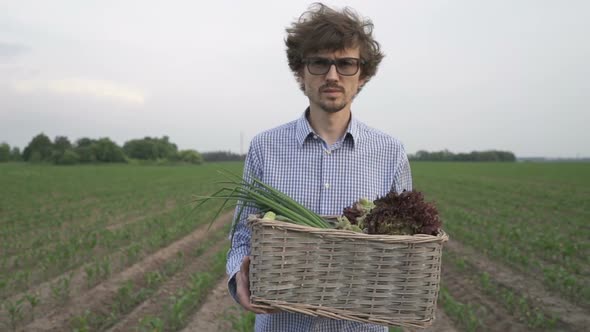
(393, 214)
(264, 197)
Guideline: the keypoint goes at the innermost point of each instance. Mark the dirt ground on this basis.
(212, 316)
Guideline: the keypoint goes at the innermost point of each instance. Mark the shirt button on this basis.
(328, 152)
(327, 185)
(315, 136)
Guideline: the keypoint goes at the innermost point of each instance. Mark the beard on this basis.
(332, 105)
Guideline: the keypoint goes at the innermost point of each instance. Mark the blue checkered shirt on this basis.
(326, 179)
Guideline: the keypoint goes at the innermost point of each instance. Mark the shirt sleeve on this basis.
(402, 179)
(240, 233)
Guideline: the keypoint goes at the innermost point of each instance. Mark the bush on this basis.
(15, 154)
(39, 149)
(4, 152)
(108, 151)
(191, 157)
(215, 156)
(85, 154)
(150, 148)
(69, 157)
(446, 155)
(35, 157)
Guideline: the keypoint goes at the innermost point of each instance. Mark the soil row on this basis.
(465, 285)
(101, 297)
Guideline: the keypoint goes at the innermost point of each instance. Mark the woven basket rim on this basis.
(441, 237)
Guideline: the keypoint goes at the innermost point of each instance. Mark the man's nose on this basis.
(332, 74)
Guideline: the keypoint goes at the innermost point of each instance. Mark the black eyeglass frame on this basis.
(335, 62)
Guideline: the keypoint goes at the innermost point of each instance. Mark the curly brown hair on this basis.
(322, 28)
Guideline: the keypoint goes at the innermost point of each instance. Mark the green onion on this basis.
(264, 197)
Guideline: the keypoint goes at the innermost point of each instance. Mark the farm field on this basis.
(519, 253)
(118, 248)
(94, 248)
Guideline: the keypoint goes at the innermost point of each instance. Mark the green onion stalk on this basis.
(264, 197)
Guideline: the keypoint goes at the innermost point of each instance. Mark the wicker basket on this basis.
(382, 279)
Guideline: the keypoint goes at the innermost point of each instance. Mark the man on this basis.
(327, 159)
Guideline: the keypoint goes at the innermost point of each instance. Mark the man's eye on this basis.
(346, 63)
(319, 62)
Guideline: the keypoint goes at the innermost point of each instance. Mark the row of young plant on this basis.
(127, 297)
(565, 276)
(242, 320)
(44, 199)
(130, 295)
(177, 312)
(30, 228)
(521, 306)
(91, 240)
(16, 309)
(519, 221)
(547, 231)
(464, 315)
(21, 310)
(81, 239)
(111, 251)
(36, 227)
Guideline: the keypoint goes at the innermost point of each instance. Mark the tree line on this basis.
(62, 151)
(446, 155)
(223, 156)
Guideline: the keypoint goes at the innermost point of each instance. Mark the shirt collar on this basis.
(303, 129)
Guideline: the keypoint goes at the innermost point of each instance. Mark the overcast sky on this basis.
(458, 75)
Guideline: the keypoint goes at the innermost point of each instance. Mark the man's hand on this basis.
(243, 288)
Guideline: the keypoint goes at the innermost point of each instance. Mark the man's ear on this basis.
(362, 82)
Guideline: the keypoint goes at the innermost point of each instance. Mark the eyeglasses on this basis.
(344, 66)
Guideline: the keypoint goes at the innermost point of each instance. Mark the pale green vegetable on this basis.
(270, 215)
